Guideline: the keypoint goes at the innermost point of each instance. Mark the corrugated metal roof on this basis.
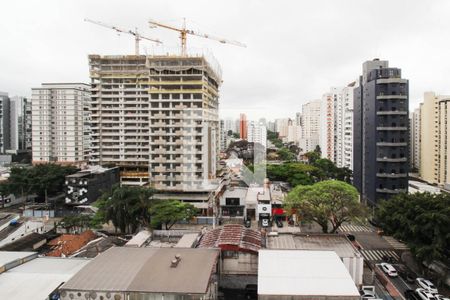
(232, 234)
(146, 270)
(303, 272)
(67, 244)
(139, 239)
(335, 242)
(187, 240)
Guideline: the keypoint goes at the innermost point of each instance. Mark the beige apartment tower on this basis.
(157, 118)
(60, 123)
(435, 139)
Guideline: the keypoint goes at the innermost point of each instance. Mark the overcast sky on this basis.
(296, 50)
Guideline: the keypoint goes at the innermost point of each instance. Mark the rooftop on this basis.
(310, 273)
(334, 242)
(14, 258)
(139, 239)
(235, 192)
(38, 278)
(67, 244)
(147, 270)
(232, 236)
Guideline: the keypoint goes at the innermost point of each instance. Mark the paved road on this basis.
(399, 282)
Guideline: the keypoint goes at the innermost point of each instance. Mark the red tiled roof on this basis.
(242, 238)
(69, 243)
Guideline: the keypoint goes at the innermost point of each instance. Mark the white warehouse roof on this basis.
(38, 278)
(304, 273)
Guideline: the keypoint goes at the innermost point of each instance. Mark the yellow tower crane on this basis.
(184, 32)
(137, 36)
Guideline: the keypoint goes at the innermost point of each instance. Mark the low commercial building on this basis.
(350, 257)
(232, 202)
(146, 273)
(86, 186)
(239, 247)
(297, 274)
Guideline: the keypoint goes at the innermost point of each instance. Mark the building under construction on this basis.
(156, 117)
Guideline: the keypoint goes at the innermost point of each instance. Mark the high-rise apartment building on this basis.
(331, 125)
(257, 133)
(347, 97)
(294, 134)
(281, 127)
(381, 132)
(271, 126)
(20, 124)
(298, 119)
(311, 116)
(337, 125)
(157, 118)
(414, 121)
(4, 122)
(223, 136)
(60, 123)
(243, 124)
(230, 124)
(435, 139)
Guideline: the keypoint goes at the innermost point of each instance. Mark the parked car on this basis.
(426, 285)
(425, 295)
(408, 276)
(411, 295)
(389, 269)
(279, 223)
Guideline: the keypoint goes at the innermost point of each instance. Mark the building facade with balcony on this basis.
(381, 132)
(435, 139)
(157, 118)
(60, 123)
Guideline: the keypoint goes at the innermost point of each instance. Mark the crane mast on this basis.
(184, 32)
(137, 36)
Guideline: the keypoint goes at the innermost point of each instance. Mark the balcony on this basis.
(386, 159)
(392, 175)
(391, 112)
(160, 177)
(390, 191)
(392, 97)
(391, 80)
(390, 128)
(160, 169)
(394, 144)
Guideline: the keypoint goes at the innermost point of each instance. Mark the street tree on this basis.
(126, 207)
(168, 212)
(422, 220)
(285, 154)
(326, 203)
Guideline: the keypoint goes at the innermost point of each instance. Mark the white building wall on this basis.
(257, 133)
(311, 115)
(347, 148)
(281, 126)
(294, 134)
